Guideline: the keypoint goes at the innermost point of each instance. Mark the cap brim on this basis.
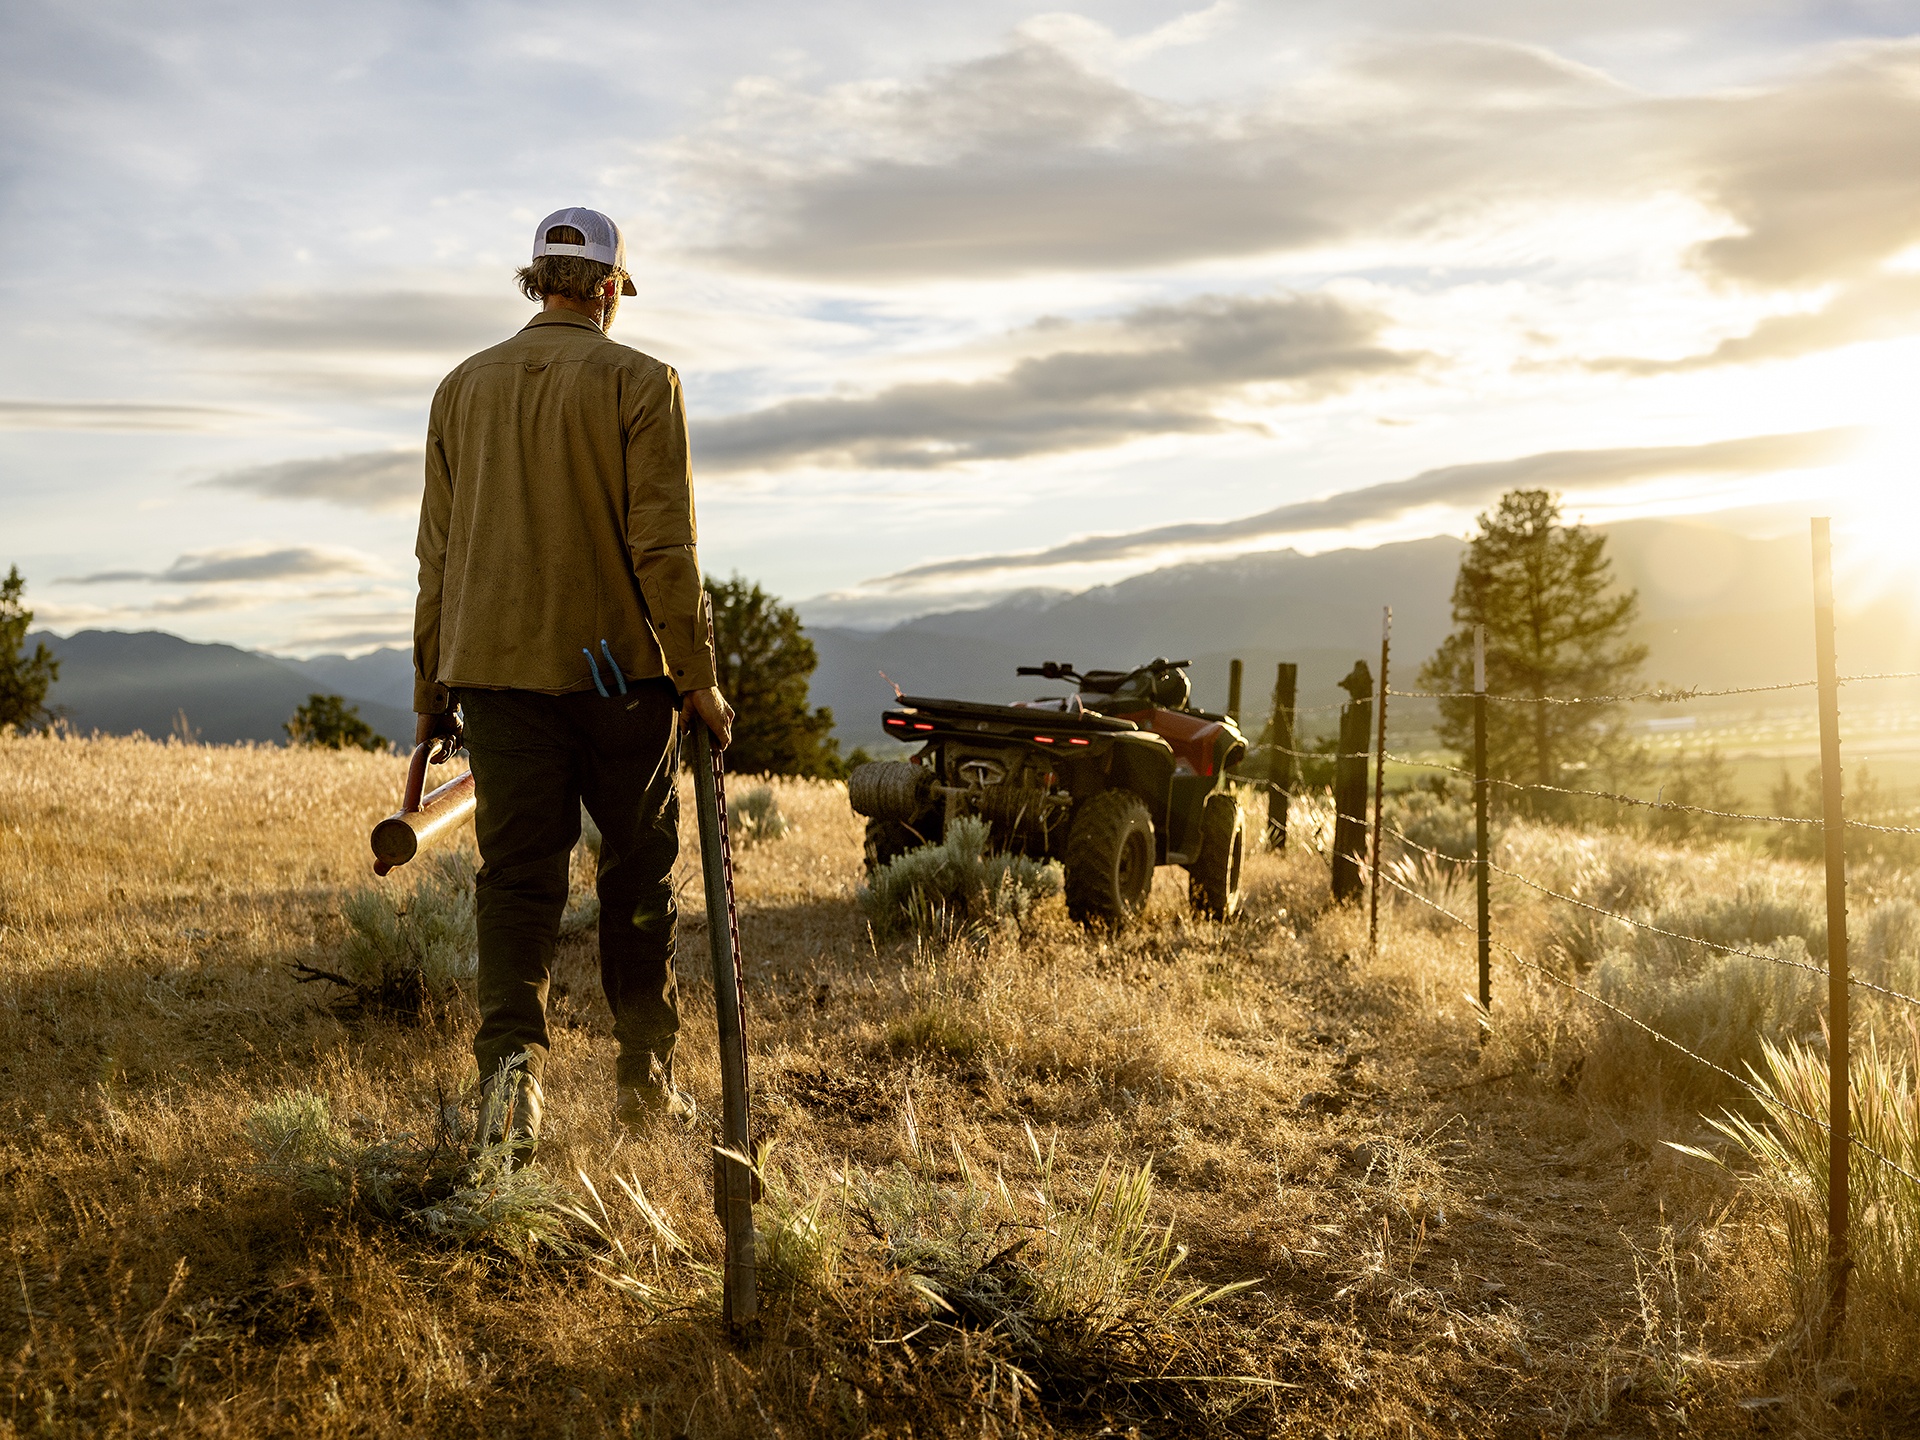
(626, 286)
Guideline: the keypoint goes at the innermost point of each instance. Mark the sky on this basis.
(965, 299)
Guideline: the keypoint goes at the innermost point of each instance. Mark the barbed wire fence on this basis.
(1832, 825)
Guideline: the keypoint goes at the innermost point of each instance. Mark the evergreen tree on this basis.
(24, 678)
(328, 722)
(765, 661)
(1555, 627)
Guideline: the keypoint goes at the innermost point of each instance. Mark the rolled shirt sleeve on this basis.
(661, 532)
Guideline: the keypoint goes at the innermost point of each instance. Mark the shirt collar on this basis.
(563, 317)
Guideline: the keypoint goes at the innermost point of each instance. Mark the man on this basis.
(560, 610)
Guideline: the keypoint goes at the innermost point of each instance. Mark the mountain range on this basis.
(1717, 610)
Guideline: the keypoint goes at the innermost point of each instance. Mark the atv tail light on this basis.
(1076, 740)
(1043, 739)
(921, 725)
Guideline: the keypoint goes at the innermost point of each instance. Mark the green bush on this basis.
(956, 883)
(754, 817)
(408, 951)
(426, 1183)
(1727, 1008)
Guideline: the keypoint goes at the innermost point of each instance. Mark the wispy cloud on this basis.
(404, 322)
(1454, 486)
(387, 480)
(112, 415)
(1882, 307)
(219, 567)
(1164, 369)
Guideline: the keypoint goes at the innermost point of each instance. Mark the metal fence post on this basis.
(1379, 781)
(1280, 766)
(1233, 691)
(1483, 910)
(1833, 824)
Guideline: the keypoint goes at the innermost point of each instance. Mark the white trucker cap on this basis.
(604, 242)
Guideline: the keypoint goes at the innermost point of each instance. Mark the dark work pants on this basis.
(535, 758)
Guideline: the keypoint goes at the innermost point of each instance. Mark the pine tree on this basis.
(1556, 627)
(765, 661)
(24, 679)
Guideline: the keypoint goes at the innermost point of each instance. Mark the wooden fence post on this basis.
(1834, 826)
(1483, 908)
(1379, 783)
(1280, 766)
(1350, 783)
(1233, 691)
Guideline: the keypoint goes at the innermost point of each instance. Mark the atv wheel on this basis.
(888, 840)
(1109, 859)
(1213, 880)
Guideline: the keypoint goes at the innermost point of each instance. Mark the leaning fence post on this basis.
(1483, 910)
(1833, 824)
(1233, 691)
(1280, 754)
(1379, 782)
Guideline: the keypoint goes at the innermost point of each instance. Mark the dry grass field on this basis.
(985, 1145)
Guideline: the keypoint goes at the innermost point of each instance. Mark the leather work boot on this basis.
(640, 1107)
(510, 1108)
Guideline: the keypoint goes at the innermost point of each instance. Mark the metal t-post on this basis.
(1379, 782)
(1233, 690)
(733, 1181)
(1833, 824)
(1482, 908)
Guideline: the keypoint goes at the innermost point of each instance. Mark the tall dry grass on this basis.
(1442, 1238)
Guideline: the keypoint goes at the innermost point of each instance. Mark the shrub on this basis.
(1727, 1008)
(957, 883)
(408, 951)
(424, 1183)
(754, 817)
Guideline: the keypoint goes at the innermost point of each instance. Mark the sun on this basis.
(1875, 504)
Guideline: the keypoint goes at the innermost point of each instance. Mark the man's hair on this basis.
(571, 277)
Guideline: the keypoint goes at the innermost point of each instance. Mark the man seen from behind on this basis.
(560, 612)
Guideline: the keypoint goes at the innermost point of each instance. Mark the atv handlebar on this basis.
(1063, 670)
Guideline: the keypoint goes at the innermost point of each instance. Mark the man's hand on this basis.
(712, 709)
(432, 727)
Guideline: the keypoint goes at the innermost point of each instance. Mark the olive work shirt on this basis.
(557, 530)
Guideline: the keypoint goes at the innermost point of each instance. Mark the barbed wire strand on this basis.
(1662, 695)
(1648, 804)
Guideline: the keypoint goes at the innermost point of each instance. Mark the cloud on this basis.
(1028, 160)
(111, 415)
(1453, 485)
(219, 567)
(405, 322)
(1884, 307)
(1162, 369)
(368, 480)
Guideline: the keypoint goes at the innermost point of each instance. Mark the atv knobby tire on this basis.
(1213, 880)
(1109, 860)
(888, 840)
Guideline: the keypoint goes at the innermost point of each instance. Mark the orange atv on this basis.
(1112, 780)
